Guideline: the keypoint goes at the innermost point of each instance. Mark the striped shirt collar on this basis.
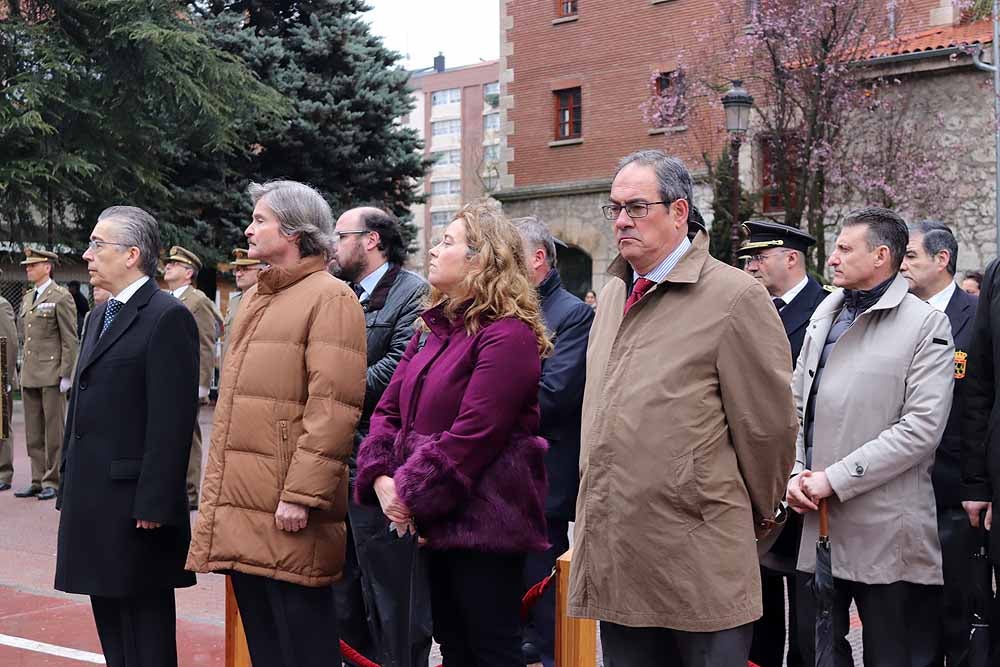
(660, 273)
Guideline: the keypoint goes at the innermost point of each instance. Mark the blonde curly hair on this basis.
(499, 285)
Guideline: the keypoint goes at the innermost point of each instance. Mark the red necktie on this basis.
(641, 286)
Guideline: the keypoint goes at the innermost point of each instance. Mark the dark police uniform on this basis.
(778, 561)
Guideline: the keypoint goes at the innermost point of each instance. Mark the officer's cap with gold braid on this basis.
(241, 257)
(764, 234)
(36, 256)
(184, 256)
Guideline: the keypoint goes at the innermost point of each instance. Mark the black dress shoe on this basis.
(47, 494)
(28, 492)
(4, 486)
(531, 653)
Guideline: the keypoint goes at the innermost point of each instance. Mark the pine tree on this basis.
(98, 97)
(343, 137)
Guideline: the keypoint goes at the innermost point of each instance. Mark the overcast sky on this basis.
(466, 31)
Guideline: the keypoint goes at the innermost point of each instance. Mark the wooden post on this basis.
(237, 653)
(576, 638)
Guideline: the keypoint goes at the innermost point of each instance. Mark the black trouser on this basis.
(899, 622)
(476, 602)
(383, 600)
(137, 631)
(287, 625)
(654, 647)
(541, 627)
(955, 534)
(768, 648)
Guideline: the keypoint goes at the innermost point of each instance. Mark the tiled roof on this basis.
(935, 39)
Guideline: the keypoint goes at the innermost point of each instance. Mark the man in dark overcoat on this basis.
(124, 527)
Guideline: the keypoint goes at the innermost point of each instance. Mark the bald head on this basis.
(366, 238)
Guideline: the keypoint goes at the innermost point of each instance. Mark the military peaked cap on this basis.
(184, 256)
(763, 234)
(241, 257)
(36, 256)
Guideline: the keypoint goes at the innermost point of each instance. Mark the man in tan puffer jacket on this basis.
(274, 496)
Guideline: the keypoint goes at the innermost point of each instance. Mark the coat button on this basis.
(859, 470)
(82, 386)
(79, 436)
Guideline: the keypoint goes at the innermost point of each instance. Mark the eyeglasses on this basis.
(94, 246)
(633, 210)
(760, 257)
(340, 235)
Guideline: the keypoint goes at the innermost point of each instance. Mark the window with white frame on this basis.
(449, 96)
(491, 121)
(453, 156)
(446, 127)
(439, 218)
(453, 187)
(491, 153)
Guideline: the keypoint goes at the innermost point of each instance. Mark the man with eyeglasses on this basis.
(775, 256)
(48, 322)
(687, 438)
(369, 256)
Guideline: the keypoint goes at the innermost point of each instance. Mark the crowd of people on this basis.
(394, 461)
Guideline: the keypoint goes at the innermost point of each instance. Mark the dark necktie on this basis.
(778, 302)
(358, 290)
(114, 306)
(641, 286)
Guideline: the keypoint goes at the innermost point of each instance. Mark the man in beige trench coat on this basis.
(687, 439)
(873, 390)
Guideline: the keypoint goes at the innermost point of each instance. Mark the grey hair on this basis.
(937, 237)
(672, 178)
(300, 210)
(537, 233)
(138, 229)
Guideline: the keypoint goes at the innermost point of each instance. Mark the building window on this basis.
(444, 127)
(777, 174)
(491, 122)
(450, 96)
(491, 94)
(439, 218)
(569, 115)
(453, 156)
(446, 187)
(491, 153)
(566, 8)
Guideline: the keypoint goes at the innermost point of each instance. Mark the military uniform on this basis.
(8, 330)
(209, 321)
(48, 321)
(241, 257)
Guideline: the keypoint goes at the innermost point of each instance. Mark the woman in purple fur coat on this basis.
(452, 450)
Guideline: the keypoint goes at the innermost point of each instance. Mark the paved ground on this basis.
(40, 627)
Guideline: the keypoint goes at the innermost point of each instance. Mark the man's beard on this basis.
(352, 270)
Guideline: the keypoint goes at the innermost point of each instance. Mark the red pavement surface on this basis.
(31, 609)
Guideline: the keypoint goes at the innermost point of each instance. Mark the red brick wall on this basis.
(610, 51)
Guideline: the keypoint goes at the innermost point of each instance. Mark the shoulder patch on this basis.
(829, 288)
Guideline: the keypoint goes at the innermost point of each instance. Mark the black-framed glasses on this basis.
(94, 246)
(634, 210)
(340, 235)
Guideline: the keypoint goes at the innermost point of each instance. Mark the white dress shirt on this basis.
(940, 300)
(180, 290)
(370, 282)
(790, 295)
(127, 293)
(40, 290)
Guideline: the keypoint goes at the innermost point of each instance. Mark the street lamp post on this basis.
(737, 102)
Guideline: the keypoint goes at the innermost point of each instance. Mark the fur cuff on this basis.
(375, 458)
(430, 484)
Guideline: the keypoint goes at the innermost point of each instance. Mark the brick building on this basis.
(574, 74)
(456, 112)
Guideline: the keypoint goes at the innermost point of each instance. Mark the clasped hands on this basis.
(401, 520)
(806, 489)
